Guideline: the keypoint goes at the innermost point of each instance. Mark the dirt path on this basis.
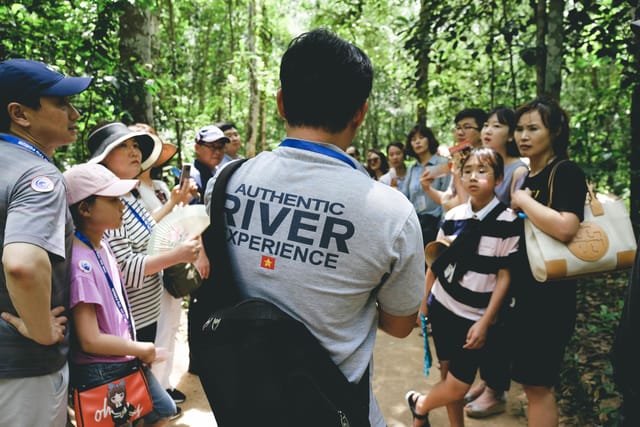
(397, 367)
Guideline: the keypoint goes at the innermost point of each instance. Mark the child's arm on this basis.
(477, 334)
(92, 340)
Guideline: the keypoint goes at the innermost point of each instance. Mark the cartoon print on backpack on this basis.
(121, 410)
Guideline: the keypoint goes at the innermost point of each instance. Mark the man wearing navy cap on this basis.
(36, 117)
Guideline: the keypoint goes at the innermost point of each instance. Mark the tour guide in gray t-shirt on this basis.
(36, 233)
(309, 230)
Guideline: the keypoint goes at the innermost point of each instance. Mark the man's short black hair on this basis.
(30, 100)
(225, 126)
(324, 81)
(478, 114)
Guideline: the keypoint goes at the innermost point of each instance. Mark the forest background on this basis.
(179, 65)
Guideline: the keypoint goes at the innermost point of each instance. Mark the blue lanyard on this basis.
(116, 299)
(25, 145)
(317, 148)
(137, 215)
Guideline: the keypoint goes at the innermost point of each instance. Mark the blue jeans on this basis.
(99, 373)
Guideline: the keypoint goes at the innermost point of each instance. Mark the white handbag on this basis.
(604, 243)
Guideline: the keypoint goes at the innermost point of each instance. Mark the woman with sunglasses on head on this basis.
(377, 164)
(544, 314)
(423, 145)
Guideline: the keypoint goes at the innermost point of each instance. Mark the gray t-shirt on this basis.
(503, 190)
(325, 243)
(33, 209)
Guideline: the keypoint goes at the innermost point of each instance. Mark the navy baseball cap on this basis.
(22, 77)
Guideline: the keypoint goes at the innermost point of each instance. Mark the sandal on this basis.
(411, 401)
(470, 397)
(472, 410)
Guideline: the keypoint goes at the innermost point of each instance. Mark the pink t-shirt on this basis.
(89, 285)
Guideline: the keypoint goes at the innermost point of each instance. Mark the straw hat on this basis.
(434, 249)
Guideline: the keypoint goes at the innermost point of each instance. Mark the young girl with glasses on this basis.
(488, 397)
(468, 283)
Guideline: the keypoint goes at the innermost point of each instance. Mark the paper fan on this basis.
(183, 223)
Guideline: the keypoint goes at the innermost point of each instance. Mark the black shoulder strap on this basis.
(221, 286)
(461, 250)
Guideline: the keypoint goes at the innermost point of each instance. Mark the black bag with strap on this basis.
(259, 366)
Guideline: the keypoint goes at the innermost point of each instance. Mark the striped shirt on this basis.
(129, 245)
(496, 250)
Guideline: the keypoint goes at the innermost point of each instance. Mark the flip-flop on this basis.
(412, 407)
(474, 411)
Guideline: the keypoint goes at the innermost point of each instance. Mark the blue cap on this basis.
(20, 78)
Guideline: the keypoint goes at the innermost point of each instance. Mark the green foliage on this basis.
(431, 58)
(587, 393)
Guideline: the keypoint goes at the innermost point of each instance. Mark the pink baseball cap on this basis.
(89, 179)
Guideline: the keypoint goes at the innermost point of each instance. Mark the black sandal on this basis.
(412, 406)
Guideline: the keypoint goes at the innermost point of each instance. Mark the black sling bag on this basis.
(259, 366)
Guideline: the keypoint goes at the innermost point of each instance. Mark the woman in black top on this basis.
(544, 314)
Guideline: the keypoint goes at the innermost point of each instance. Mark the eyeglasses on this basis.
(215, 147)
(480, 173)
(465, 128)
(373, 159)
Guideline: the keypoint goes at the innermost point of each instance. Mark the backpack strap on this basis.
(215, 242)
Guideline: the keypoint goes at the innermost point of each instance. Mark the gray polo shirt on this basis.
(33, 209)
(326, 244)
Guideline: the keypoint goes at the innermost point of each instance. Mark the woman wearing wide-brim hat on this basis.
(159, 200)
(107, 136)
(126, 153)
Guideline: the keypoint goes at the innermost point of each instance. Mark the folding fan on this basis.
(183, 223)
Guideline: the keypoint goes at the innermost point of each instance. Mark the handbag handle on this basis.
(592, 200)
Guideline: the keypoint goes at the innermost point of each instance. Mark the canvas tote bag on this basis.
(604, 243)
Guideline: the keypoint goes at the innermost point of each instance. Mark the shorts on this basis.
(35, 401)
(540, 328)
(449, 333)
(98, 373)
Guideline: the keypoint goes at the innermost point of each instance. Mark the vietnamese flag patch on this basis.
(268, 262)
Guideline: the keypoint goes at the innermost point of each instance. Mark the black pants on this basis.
(496, 361)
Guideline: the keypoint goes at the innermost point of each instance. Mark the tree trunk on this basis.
(178, 121)
(555, 39)
(204, 74)
(541, 47)
(422, 47)
(512, 68)
(135, 56)
(254, 95)
(635, 128)
(262, 146)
